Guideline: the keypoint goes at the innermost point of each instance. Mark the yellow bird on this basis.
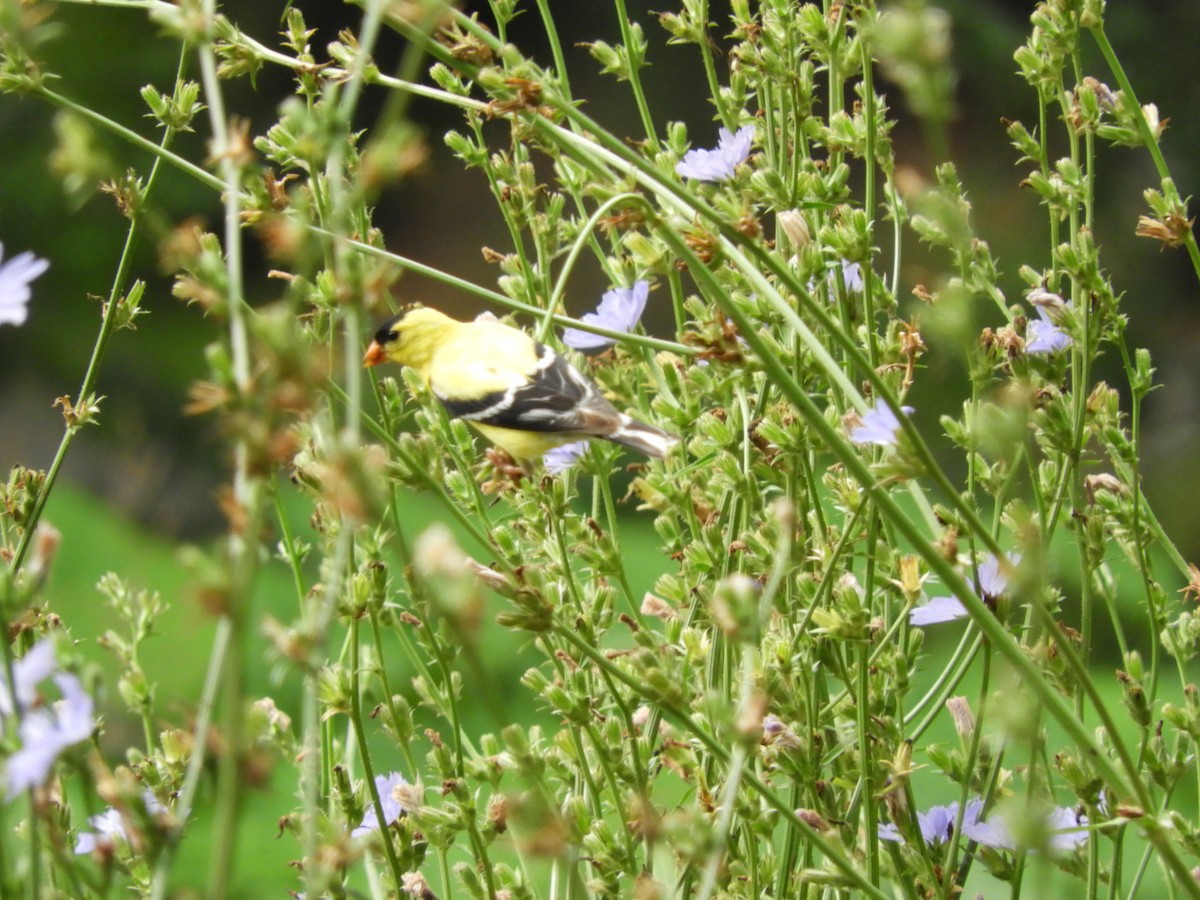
(519, 394)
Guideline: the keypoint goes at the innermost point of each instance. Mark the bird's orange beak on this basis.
(375, 355)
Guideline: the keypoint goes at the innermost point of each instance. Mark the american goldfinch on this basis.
(519, 394)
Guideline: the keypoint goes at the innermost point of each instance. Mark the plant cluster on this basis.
(772, 717)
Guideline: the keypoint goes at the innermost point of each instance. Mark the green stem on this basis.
(248, 495)
(365, 754)
(195, 763)
(721, 754)
(1148, 138)
(635, 79)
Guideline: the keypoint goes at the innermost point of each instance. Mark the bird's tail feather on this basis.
(643, 438)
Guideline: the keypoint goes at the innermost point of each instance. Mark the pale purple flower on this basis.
(993, 583)
(939, 609)
(110, 826)
(15, 277)
(28, 672)
(620, 310)
(879, 425)
(389, 803)
(852, 278)
(45, 733)
(937, 823)
(559, 459)
(1069, 830)
(718, 165)
(993, 833)
(992, 578)
(109, 829)
(1043, 336)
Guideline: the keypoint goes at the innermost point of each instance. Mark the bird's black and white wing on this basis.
(552, 397)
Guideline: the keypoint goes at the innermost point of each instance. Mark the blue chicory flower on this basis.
(559, 459)
(110, 826)
(28, 672)
(620, 310)
(1068, 831)
(992, 579)
(718, 165)
(45, 733)
(852, 276)
(937, 827)
(939, 609)
(937, 823)
(15, 278)
(879, 426)
(1042, 334)
(386, 785)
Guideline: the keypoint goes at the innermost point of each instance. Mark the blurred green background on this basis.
(146, 479)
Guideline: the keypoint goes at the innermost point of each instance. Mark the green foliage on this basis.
(774, 714)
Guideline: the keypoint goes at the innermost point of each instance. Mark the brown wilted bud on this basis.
(415, 885)
(410, 796)
(749, 226)
(497, 581)
(911, 344)
(1102, 481)
(1192, 588)
(962, 717)
(45, 545)
(1011, 343)
(658, 608)
(497, 813)
(1102, 91)
(794, 227)
(1171, 230)
(1044, 299)
(812, 819)
(947, 544)
(705, 244)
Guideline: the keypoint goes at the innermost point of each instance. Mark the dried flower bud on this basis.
(960, 713)
(791, 222)
(415, 885)
(812, 819)
(658, 608)
(1103, 482)
(1043, 298)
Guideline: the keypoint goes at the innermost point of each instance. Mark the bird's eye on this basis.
(387, 335)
